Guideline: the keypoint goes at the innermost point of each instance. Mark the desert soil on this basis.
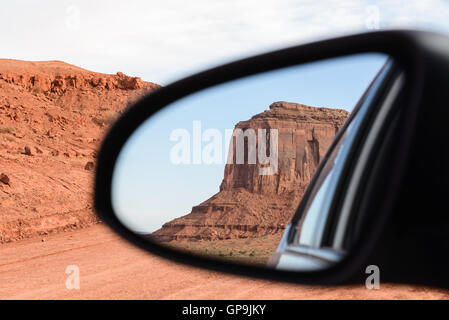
(255, 251)
(110, 268)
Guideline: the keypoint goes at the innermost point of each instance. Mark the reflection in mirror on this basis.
(221, 172)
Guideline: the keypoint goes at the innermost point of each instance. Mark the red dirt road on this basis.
(112, 269)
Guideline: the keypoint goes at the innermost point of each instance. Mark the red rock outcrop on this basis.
(52, 118)
(58, 77)
(250, 204)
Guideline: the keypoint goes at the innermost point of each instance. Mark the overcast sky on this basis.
(161, 41)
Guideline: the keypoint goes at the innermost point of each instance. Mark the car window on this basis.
(311, 226)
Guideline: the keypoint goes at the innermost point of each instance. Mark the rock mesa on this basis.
(249, 204)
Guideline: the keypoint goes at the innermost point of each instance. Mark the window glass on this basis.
(311, 225)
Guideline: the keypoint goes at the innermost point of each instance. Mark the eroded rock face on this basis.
(53, 116)
(58, 77)
(250, 204)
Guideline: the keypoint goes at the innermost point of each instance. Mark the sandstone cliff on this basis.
(250, 204)
(52, 118)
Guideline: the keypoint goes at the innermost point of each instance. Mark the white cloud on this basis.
(164, 40)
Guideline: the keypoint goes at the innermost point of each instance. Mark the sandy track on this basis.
(113, 269)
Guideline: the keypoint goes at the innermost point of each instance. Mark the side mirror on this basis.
(267, 166)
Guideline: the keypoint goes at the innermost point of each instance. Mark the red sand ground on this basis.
(112, 269)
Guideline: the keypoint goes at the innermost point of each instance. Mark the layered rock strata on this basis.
(252, 204)
(53, 116)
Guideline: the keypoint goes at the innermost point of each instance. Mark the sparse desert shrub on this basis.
(7, 129)
(37, 89)
(110, 117)
(10, 138)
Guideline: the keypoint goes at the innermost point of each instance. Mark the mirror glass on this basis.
(220, 173)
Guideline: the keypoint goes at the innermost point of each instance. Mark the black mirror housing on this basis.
(414, 53)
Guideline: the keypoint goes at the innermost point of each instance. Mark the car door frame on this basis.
(377, 98)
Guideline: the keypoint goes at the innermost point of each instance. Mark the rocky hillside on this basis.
(250, 204)
(52, 118)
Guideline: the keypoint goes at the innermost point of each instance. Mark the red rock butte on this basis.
(250, 204)
(52, 118)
